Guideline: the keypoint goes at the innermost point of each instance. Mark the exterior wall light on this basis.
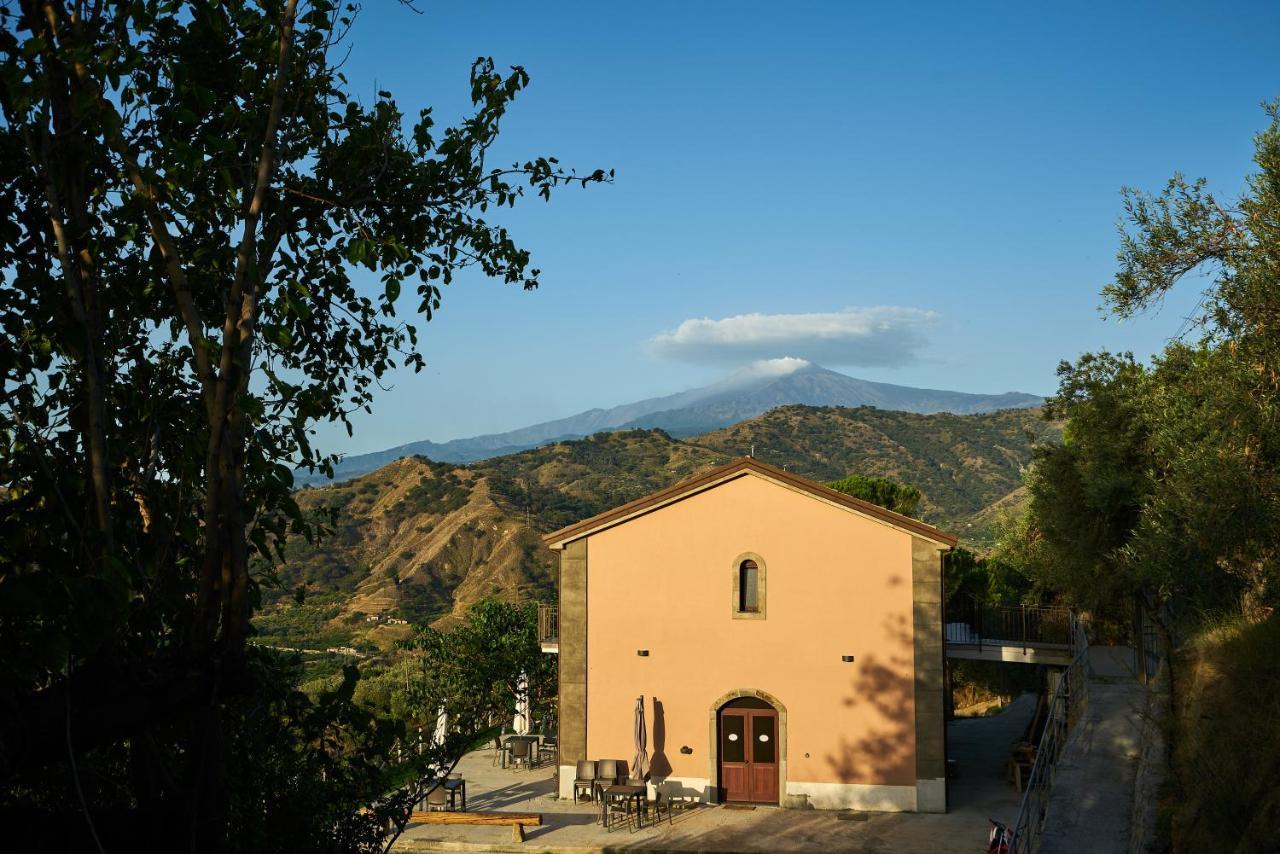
(846, 658)
(643, 653)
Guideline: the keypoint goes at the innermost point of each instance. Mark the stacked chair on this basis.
(585, 780)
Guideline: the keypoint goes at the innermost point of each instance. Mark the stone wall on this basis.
(931, 728)
(1144, 820)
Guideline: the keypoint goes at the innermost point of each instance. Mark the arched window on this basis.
(748, 587)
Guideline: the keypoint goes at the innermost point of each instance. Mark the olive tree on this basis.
(210, 246)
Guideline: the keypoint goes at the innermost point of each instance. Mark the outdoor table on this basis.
(453, 787)
(506, 750)
(620, 792)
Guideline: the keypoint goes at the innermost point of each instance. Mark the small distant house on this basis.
(787, 640)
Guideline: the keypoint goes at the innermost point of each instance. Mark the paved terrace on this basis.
(979, 791)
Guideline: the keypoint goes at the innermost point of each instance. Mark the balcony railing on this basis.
(548, 624)
(973, 623)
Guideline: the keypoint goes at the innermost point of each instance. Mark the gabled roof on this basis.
(731, 471)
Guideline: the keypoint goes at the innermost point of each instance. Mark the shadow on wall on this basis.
(883, 752)
(659, 765)
(677, 791)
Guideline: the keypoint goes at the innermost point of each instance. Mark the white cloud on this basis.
(762, 369)
(880, 336)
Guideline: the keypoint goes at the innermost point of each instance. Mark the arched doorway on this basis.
(748, 750)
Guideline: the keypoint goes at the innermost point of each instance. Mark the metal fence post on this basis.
(1024, 629)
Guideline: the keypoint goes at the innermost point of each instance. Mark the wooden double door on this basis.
(748, 733)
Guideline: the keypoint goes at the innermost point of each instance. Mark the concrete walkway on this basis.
(979, 791)
(1092, 796)
(979, 749)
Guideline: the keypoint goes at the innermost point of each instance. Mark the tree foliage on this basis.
(473, 670)
(899, 497)
(209, 246)
(1086, 492)
(1167, 482)
(1166, 489)
(992, 578)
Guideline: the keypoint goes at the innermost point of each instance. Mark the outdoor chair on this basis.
(619, 808)
(437, 800)
(631, 808)
(520, 749)
(498, 751)
(455, 785)
(548, 749)
(585, 779)
(606, 775)
(658, 803)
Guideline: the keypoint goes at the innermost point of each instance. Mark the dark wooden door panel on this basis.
(749, 755)
(735, 782)
(764, 757)
(764, 784)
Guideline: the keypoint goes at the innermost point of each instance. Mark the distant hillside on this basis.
(961, 463)
(416, 541)
(815, 386)
(746, 394)
(422, 540)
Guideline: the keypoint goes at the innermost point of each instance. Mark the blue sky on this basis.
(935, 184)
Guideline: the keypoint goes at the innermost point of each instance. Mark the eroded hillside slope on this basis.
(422, 541)
(961, 463)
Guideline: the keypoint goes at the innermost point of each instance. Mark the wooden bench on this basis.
(518, 821)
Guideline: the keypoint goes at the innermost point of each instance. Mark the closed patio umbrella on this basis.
(640, 766)
(442, 727)
(520, 725)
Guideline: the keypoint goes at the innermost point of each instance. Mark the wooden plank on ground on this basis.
(517, 820)
(527, 819)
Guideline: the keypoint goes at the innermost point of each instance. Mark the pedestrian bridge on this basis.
(1026, 634)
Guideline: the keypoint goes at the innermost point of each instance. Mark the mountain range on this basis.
(421, 540)
(745, 394)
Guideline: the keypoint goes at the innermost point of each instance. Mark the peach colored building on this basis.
(786, 639)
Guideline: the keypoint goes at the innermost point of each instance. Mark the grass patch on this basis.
(1225, 795)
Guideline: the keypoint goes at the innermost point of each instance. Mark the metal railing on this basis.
(1147, 645)
(548, 624)
(973, 623)
(1069, 701)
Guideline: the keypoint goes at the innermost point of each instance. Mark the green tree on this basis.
(473, 671)
(1167, 482)
(889, 494)
(209, 247)
(474, 668)
(1168, 487)
(1087, 491)
(1208, 532)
